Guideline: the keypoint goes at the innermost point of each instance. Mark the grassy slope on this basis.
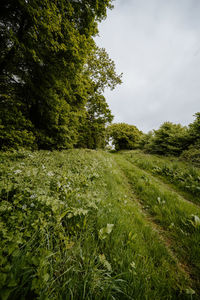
(183, 177)
(71, 228)
(171, 212)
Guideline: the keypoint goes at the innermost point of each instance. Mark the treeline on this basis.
(52, 74)
(169, 139)
(52, 79)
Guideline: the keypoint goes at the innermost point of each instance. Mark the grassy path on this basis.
(155, 227)
(172, 214)
(182, 178)
(88, 225)
(162, 182)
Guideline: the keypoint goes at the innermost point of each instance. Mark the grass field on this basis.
(83, 224)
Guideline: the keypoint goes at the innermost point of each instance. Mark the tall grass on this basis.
(72, 229)
(184, 177)
(179, 219)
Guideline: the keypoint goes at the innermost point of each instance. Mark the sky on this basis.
(156, 45)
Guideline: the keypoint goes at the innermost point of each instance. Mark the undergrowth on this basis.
(185, 177)
(72, 229)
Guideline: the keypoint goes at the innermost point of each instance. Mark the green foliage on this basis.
(171, 212)
(124, 136)
(71, 229)
(194, 129)
(174, 139)
(192, 154)
(169, 139)
(15, 131)
(182, 176)
(145, 141)
(92, 127)
(51, 67)
(101, 74)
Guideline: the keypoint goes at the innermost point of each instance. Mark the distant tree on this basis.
(124, 136)
(145, 141)
(100, 73)
(192, 154)
(194, 129)
(169, 139)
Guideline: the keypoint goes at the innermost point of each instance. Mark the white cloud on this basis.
(156, 45)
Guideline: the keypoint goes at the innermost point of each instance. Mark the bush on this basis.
(169, 139)
(124, 136)
(192, 154)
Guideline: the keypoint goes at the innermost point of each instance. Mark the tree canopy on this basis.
(123, 136)
(169, 139)
(52, 73)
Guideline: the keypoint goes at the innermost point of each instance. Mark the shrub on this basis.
(124, 136)
(192, 154)
(169, 139)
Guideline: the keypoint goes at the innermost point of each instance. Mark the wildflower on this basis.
(32, 205)
(158, 200)
(104, 262)
(132, 270)
(190, 291)
(24, 206)
(50, 173)
(17, 171)
(132, 264)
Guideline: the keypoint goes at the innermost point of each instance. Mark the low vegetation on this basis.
(174, 214)
(83, 224)
(183, 177)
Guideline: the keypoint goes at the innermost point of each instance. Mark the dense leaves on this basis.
(123, 136)
(100, 71)
(193, 153)
(169, 139)
(50, 70)
(71, 229)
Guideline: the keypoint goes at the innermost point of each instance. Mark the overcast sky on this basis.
(156, 44)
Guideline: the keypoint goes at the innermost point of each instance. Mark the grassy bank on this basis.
(71, 228)
(184, 177)
(175, 215)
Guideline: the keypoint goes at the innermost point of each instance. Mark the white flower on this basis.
(32, 204)
(50, 173)
(33, 196)
(59, 184)
(24, 206)
(17, 171)
(132, 264)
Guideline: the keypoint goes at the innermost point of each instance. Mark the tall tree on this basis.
(101, 74)
(44, 49)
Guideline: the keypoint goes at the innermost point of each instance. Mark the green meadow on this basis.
(86, 224)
